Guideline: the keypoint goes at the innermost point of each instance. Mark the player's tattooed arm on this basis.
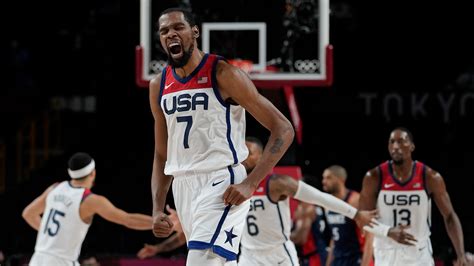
(276, 146)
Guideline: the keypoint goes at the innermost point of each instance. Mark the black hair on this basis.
(404, 129)
(79, 160)
(255, 140)
(188, 16)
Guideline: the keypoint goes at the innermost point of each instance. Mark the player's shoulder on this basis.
(223, 65)
(373, 173)
(48, 190)
(431, 173)
(354, 193)
(155, 83)
(434, 181)
(426, 169)
(284, 185)
(92, 198)
(372, 179)
(224, 68)
(52, 186)
(378, 169)
(353, 198)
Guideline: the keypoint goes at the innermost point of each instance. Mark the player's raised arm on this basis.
(236, 87)
(160, 182)
(103, 207)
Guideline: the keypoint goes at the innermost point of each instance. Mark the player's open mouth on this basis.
(175, 49)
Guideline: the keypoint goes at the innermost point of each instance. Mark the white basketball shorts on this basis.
(42, 259)
(282, 255)
(207, 223)
(406, 256)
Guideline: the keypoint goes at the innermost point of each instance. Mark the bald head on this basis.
(338, 171)
(334, 179)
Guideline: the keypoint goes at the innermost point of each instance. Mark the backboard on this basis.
(286, 41)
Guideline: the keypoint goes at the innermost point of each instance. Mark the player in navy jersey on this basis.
(198, 104)
(402, 189)
(347, 242)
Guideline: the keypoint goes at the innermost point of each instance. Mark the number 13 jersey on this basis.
(406, 203)
(205, 133)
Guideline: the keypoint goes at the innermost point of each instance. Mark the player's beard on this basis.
(398, 162)
(331, 189)
(178, 63)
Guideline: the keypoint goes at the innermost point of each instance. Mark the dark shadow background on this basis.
(396, 63)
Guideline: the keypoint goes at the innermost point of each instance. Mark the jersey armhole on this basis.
(87, 193)
(423, 175)
(380, 179)
(267, 188)
(162, 84)
(215, 86)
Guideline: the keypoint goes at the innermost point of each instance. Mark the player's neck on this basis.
(192, 64)
(83, 184)
(341, 194)
(403, 171)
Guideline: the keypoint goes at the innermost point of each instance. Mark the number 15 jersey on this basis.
(205, 133)
(62, 230)
(405, 203)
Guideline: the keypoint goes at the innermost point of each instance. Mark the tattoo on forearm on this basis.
(276, 146)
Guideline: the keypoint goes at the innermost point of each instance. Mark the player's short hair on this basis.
(256, 141)
(79, 161)
(404, 129)
(338, 171)
(188, 16)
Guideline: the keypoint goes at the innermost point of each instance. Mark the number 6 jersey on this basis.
(405, 203)
(268, 222)
(204, 132)
(62, 230)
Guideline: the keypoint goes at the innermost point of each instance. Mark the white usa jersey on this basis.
(268, 222)
(405, 203)
(204, 132)
(62, 230)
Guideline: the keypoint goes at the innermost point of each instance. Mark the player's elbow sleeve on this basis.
(314, 196)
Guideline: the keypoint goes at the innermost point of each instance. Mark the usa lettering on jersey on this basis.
(186, 102)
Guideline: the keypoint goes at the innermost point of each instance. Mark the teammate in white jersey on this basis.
(199, 103)
(63, 213)
(266, 240)
(402, 189)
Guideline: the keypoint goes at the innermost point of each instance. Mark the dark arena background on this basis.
(69, 84)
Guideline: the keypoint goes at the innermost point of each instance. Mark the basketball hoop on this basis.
(245, 65)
